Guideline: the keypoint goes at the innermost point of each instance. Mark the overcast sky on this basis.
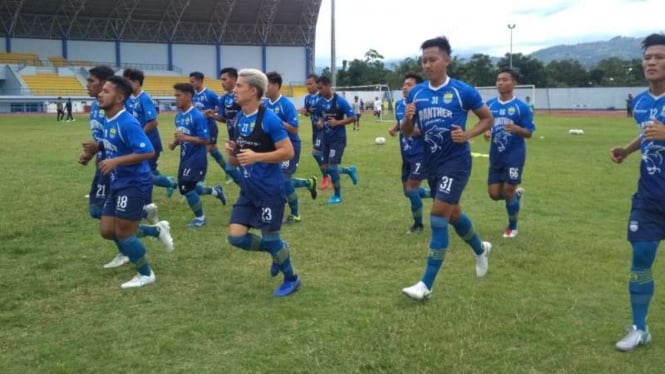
(397, 28)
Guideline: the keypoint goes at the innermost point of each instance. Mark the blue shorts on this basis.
(502, 172)
(289, 167)
(413, 169)
(99, 187)
(332, 151)
(317, 139)
(192, 174)
(153, 162)
(265, 215)
(126, 203)
(449, 185)
(213, 131)
(647, 221)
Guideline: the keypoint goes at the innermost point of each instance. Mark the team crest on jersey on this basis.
(511, 110)
(447, 97)
(101, 112)
(112, 132)
(633, 226)
(187, 121)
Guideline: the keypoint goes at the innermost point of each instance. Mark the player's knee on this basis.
(644, 254)
(509, 191)
(411, 193)
(236, 240)
(107, 233)
(95, 211)
(495, 194)
(186, 187)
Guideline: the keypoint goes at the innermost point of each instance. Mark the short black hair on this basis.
(197, 74)
(184, 87)
(312, 76)
(121, 84)
(440, 42)
(274, 78)
(414, 76)
(101, 72)
(653, 39)
(323, 80)
(513, 73)
(134, 75)
(232, 72)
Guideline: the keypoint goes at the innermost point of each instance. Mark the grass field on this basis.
(555, 299)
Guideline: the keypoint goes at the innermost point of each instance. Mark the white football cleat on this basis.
(418, 291)
(519, 191)
(151, 211)
(482, 263)
(140, 280)
(510, 233)
(117, 261)
(165, 235)
(633, 339)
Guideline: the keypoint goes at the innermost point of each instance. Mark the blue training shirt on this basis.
(228, 109)
(411, 147)
(437, 110)
(143, 109)
(311, 105)
(335, 107)
(262, 181)
(286, 112)
(204, 100)
(192, 123)
(123, 135)
(97, 118)
(651, 185)
(507, 147)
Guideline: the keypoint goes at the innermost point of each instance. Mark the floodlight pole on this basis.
(511, 27)
(333, 68)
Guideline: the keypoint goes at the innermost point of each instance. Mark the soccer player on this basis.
(192, 136)
(513, 122)
(646, 225)
(333, 109)
(310, 110)
(439, 108)
(207, 102)
(287, 113)
(378, 107)
(261, 145)
(100, 186)
(127, 150)
(356, 109)
(141, 106)
(411, 148)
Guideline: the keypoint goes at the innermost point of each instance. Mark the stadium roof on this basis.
(241, 22)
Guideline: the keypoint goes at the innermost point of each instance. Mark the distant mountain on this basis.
(589, 54)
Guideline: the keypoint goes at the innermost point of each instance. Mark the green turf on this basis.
(554, 301)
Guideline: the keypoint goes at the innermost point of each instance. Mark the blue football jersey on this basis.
(143, 109)
(311, 105)
(97, 125)
(652, 176)
(334, 108)
(286, 112)
(123, 135)
(204, 100)
(228, 109)
(262, 180)
(192, 123)
(437, 110)
(506, 147)
(410, 146)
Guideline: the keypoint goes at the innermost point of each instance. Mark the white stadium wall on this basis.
(195, 58)
(143, 53)
(42, 47)
(90, 51)
(288, 61)
(241, 57)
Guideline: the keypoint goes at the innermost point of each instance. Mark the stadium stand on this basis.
(49, 84)
(31, 59)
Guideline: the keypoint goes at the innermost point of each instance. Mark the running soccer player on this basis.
(142, 107)
(207, 102)
(286, 112)
(127, 150)
(646, 225)
(513, 122)
(332, 110)
(100, 186)
(192, 136)
(411, 148)
(439, 108)
(310, 110)
(261, 146)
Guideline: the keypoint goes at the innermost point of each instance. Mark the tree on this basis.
(480, 71)
(532, 71)
(566, 73)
